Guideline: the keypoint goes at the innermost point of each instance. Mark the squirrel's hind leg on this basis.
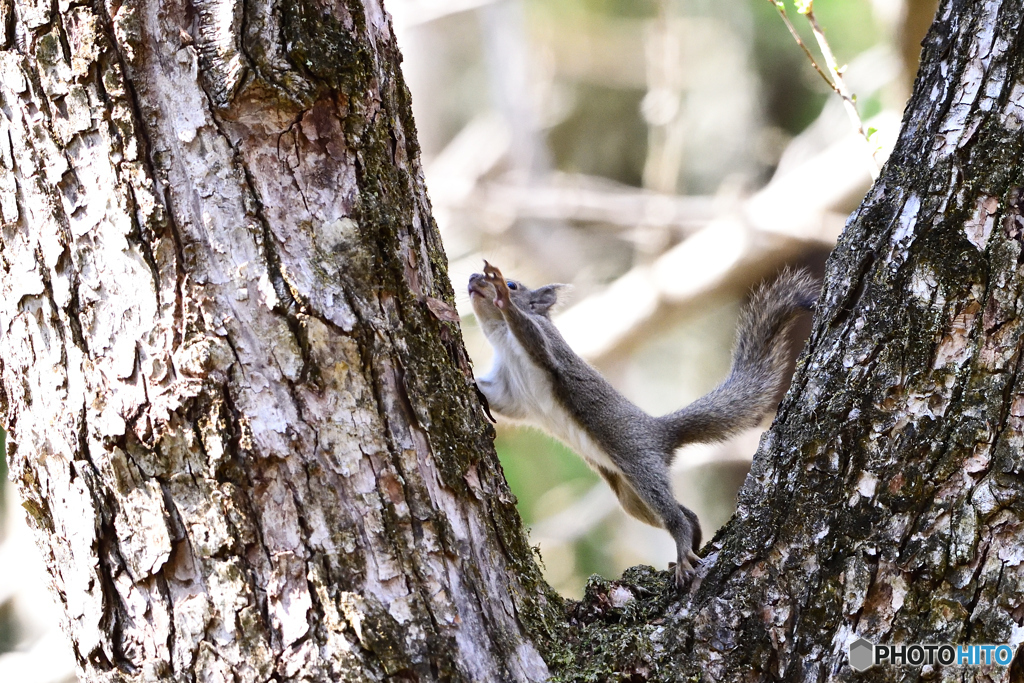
(651, 485)
(628, 498)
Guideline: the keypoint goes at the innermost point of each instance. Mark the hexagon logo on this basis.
(862, 654)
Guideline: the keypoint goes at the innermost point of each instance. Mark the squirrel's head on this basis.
(538, 301)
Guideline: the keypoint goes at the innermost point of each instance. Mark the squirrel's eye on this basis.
(512, 285)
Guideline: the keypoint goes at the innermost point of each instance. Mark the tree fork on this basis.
(886, 501)
(252, 450)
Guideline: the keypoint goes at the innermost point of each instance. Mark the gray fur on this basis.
(758, 364)
(536, 378)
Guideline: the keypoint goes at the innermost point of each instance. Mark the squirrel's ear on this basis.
(543, 299)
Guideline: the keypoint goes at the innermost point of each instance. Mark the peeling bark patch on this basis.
(290, 601)
(983, 49)
(142, 530)
(979, 227)
(867, 484)
(956, 345)
(907, 221)
(218, 32)
(925, 287)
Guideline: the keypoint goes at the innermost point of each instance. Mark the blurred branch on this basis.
(456, 181)
(475, 150)
(49, 661)
(729, 254)
(508, 56)
(839, 83)
(585, 198)
(662, 105)
(410, 13)
(575, 521)
(917, 17)
(9, 583)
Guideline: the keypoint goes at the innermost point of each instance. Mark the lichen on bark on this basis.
(247, 442)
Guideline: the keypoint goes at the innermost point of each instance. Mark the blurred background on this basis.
(663, 158)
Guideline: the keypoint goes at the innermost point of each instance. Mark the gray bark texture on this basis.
(239, 409)
(887, 501)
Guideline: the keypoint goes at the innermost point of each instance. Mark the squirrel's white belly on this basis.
(559, 424)
(520, 390)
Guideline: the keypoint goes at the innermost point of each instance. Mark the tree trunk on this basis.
(241, 417)
(887, 501)
(240, 411)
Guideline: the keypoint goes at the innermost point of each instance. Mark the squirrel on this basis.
(536, 378)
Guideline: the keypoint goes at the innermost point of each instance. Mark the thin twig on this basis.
(836, 82)
(799, 41)
(839, 84)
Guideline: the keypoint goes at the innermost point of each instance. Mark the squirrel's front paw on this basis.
(497, 280)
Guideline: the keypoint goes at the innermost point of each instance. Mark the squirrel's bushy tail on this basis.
(758, 365)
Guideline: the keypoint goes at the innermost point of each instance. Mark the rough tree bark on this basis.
(246, 438)
(887, 501)
(238, 403)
